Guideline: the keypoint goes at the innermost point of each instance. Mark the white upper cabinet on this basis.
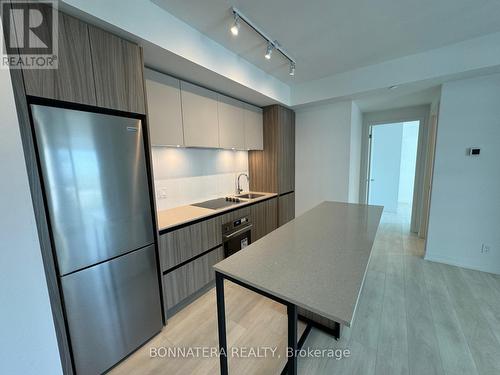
(231, 123)
(200, 116)
(183, 114)
(164, 109)
(254, 137)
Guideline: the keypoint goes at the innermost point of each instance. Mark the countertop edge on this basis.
(168, 228)
(321, 313)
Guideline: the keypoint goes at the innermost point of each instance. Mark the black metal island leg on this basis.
(293, 345)
(292, 339)
(221, 322)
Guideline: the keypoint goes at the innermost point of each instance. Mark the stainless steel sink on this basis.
(249, 196)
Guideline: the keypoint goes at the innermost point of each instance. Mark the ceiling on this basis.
(332, 36)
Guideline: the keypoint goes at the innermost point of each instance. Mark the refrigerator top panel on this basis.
(96, 184)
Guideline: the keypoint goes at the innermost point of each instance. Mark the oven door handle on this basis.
(244, 229)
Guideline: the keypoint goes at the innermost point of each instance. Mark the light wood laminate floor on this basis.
(414, 317)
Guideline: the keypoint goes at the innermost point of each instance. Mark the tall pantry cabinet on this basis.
(273, 168)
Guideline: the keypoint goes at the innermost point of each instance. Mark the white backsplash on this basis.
(188, 175)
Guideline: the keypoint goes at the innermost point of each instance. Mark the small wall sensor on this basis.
(473, 151)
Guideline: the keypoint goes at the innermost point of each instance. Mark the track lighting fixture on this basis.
(271, 43)
(269, 50)
(236, 25)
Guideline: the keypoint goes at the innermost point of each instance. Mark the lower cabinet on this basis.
(183, 244)
(185, 281)
(186, 272)
(264, 217)
(286, 208)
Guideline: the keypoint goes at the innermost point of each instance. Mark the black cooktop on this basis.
(215, 204)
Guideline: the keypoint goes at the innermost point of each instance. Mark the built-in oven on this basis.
(236, 235)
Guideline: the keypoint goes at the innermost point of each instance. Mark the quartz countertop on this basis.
(317, 261)
(184, 214)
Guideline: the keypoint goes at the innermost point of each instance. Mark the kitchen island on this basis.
(316, 262)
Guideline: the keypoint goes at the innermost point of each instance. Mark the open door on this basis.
(392, 166)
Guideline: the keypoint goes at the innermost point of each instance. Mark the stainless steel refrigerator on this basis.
(98, 202)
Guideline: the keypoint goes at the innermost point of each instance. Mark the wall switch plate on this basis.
(161, 193)
(485, 248)
(473, 151)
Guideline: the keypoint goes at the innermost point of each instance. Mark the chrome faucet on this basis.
(239, 189)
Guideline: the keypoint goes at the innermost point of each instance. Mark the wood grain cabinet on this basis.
(164, 109)
(185, 243)
(273, 168)
(118, 72)
(73, 80)
(264, 218)
(286, 208)
(231, 123)
(234, 215)
(199, 116)
(252, 117)
(286, 151)
(183, 282)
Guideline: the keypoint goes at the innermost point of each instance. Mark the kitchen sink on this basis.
(250, 196)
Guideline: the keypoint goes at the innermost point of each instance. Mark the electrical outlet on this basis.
(161, 193)
(485, 249)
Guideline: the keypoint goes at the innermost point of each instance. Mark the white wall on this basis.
(323, 154)
(355, 153)
(408, 162)
(189, 175)
(27, 337)
(465, 199)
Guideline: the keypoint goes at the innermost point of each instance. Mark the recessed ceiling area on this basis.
(332, 36)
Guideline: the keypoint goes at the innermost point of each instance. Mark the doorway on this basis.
(392, 166)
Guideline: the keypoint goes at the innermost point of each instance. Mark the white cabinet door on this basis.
(164, 109)
(231, 123)
(254, 137)
(200, 116)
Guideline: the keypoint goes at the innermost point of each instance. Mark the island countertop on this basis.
(317, 261)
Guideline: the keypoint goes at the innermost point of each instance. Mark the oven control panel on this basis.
(235, 224)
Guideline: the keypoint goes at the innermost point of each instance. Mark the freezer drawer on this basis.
(112, 308)
(96, 184)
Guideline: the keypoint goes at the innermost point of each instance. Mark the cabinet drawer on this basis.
(234, 215)
(191, 277)
(185, 243)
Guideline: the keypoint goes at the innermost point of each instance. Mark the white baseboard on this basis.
(462, 264)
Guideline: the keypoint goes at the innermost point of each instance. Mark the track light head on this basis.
(235, 28)
(269, 51)
(292, 69)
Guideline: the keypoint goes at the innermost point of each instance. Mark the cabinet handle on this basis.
(244, 229)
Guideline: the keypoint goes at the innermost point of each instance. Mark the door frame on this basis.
(408, 114)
